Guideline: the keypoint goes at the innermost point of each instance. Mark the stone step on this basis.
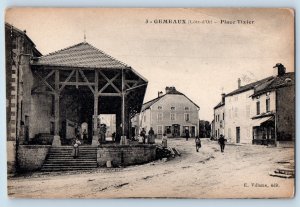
(71, 161)
(65, 169)
(61, 159)
(285, 171)
(70, 165)
(274, 174)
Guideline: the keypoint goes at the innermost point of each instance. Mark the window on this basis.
(229, 132)
(159, 129)
(186, 108)
(268, 104)
(144, 118)
(236, 112)
(223, 116)
(186, 117)
(173, 117)
(257, 108)
(248, 111)
(216, 118)
(159, 107)
(173, 108)
(159, 117)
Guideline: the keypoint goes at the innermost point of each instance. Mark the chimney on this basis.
(279, 70)
(159, 93)
(168, 89)
(223, 97)
(239, 83)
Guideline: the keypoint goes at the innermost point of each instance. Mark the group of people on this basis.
(221, 142)
(150, 139)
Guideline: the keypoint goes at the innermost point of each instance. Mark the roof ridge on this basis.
(107, 54)
(57, 51)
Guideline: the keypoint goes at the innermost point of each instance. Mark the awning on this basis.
(259, 121)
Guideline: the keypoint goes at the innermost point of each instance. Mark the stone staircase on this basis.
(61, 159)
(286, 170)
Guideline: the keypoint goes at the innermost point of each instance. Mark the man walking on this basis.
(198, 143)
(222, 142)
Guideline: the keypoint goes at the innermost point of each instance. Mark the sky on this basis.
(201, 60)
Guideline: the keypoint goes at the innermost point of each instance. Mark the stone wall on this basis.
(32, 157)
(125, 154)
(11, 157)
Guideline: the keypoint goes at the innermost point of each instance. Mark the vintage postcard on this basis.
(150, 103)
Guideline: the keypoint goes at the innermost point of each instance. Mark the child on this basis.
(198, 143)
(164, 140)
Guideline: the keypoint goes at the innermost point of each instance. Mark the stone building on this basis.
(172, 113)
(49, 97)
(261, 112)
(19, 49)
(219, 118)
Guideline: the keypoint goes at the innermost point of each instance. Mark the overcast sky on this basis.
(200, 60)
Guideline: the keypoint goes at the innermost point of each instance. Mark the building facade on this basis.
(19, 51)
(259, 112)
(172, 113)
(219, 118)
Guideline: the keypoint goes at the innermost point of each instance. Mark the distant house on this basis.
(219, 118)
(259, 112)
(172, 113)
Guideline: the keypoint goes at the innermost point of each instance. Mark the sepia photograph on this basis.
(150, 102)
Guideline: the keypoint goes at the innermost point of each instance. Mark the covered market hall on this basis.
(72, 87)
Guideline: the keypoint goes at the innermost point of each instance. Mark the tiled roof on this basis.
(219, 105)
(80, 55)
(148, 104)
(249, 86)
(284, 80)
(23, 33)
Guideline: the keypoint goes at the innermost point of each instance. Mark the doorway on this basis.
(176, 130)
(238, 134)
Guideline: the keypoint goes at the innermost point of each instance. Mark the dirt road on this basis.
(241, 171)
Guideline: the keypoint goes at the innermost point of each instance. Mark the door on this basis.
(176, 130)
(26, 128)
(193, 131)
(238, 135)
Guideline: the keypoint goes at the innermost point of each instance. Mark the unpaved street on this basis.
(242, 171)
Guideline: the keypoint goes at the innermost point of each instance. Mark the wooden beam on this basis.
(56, 104)
(44, 81)
(109, 94)
(67, 80)
(77, 84)
(86, 80)
(109, 82)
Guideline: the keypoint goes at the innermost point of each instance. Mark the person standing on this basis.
(151, 136)
(198, 143)
(76, 148)
(164, 140)
(187, 134)
(222, 142)
(143, 134)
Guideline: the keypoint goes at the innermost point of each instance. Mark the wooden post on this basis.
(123, 137)
(56, 138)
(95, 117)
